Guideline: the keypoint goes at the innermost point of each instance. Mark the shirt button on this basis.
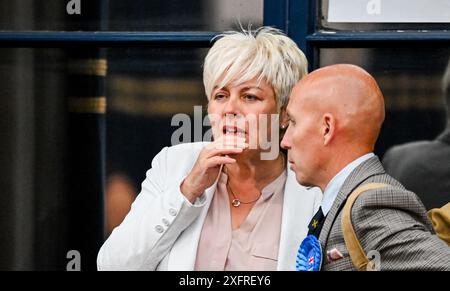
(159, 228)
(165, 222)
(172, 212)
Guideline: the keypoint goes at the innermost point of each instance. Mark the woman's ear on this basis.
(328, 128)
(284, 119)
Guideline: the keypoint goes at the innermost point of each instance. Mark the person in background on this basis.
(424, 166)
(120, 194)
(221, 205)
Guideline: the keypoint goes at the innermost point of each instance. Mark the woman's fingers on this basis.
(222, 152)
(219, 160)
(206, 168)
(226, 146)
(228, 142)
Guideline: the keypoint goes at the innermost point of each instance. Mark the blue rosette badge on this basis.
(309, 255)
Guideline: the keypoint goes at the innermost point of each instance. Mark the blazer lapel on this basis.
(299, 206)
(367, 169)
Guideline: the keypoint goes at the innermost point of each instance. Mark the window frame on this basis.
(299, 18)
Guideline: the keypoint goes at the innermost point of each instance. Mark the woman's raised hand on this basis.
(208, 164)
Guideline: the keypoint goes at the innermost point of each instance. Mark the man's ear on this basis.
(328, 128)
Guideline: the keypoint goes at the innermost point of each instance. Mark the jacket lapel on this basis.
(445, 136)
(367, 169)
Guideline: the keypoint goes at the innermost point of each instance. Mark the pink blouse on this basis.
(253, 246)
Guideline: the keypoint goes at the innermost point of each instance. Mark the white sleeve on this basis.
(157, 217)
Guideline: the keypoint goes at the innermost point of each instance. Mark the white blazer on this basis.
(162, 229)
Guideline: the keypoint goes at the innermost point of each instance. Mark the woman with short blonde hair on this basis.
(219, 205)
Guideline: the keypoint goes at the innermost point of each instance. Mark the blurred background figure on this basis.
(424, 166)
(120, 195)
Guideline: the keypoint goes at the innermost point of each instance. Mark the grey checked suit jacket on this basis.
(391, 221)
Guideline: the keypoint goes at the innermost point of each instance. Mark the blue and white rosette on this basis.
(309, 255)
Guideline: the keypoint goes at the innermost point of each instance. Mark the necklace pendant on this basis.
(235, 202)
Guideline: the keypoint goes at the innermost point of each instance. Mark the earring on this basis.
(283, 127)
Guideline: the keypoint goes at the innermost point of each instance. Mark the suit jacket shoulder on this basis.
(399, 158)
(422, 167)
(391, 221)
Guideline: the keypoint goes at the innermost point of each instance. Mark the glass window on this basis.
(134, 15)
(358, 15)
(33, 153)
(145, 89)
(410, 80)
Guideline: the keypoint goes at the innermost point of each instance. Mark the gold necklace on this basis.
(236, 202)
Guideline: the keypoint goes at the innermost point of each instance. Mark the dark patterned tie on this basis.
(315, 226)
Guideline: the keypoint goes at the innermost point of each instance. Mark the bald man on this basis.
(336, 114)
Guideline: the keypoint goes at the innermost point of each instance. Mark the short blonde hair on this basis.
(265, 53)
